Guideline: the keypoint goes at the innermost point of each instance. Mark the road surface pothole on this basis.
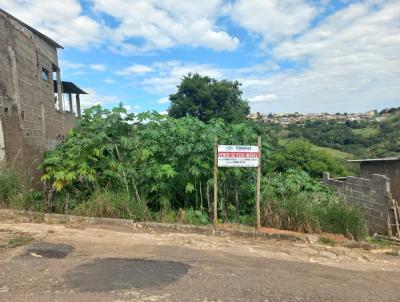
(48, 250)
(102, 275)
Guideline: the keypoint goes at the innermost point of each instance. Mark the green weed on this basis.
(326, 240)
(19, 241)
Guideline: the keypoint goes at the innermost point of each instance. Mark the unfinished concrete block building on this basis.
(33, 115)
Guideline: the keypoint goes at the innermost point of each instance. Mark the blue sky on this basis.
(290, 55)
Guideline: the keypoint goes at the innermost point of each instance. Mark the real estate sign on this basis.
(238, 156)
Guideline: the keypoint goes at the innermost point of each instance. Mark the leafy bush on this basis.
(191, 216)
(294, 181)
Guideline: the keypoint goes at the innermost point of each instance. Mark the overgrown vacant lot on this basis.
(101, 263)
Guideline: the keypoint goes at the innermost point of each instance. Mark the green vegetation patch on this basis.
(366, 132)
(19, 240)
(326, 240)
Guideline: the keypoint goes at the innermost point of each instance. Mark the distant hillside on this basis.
(350, 138)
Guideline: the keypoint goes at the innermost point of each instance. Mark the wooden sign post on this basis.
(258, 184)
(215, 182)
(237, 156)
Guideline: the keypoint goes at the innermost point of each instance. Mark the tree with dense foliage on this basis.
(206, 99)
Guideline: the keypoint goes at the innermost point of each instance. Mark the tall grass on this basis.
(13, 194)
(314, 212)
(105, 203)
(10, 188)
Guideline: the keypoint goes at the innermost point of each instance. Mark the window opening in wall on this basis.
(55, 84)
(45, 74)
(66, 104)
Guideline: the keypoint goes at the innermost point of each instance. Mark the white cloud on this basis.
(77, 65)
(63, 21)
(93, 98)
(136, 69)
(273, 19)
(166, 23)
(159, 24)
(352, 59)
(164, 100)
(97, 67)
(263, 98)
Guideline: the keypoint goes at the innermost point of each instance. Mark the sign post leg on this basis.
(215, 182)
(258, 224)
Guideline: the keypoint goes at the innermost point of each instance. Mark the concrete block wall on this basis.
(372, 196)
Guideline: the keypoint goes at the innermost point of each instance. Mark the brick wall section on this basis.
(30, 121)
(372, 196)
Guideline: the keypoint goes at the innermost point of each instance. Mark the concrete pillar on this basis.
(70, 103)
(14, 77)
(78, 105)
(381, 185)
(59, 91)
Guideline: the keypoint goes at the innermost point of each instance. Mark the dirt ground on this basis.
(103, 263)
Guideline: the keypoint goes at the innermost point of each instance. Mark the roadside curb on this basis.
(49, 218)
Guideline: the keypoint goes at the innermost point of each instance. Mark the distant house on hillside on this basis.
(33, 115)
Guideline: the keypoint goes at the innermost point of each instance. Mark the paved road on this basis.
(105, 264)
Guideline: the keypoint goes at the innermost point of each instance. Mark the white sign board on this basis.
(237, 156)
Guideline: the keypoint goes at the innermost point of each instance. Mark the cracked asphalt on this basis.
(103, 263)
